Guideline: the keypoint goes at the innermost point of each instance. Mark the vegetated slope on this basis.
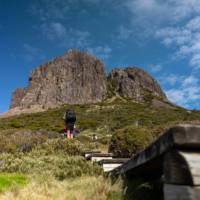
(105, 118)
(30, 144)
(127, 111)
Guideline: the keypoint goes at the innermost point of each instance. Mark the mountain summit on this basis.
(75, 78)
(79, 78)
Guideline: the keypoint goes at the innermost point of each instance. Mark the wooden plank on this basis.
(179, 137)
(114, 160)
(86, 153)
(181, 192)
(99, 158)
(103, 155)
(107, 167)
(91, 151)
(182, 167)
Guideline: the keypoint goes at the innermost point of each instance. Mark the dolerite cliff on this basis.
(79, 78)
(134, 83)
(75, 78)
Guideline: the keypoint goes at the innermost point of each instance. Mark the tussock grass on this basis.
(31, 144)
(109, 116)
(83, 188)
(130, 140)
(11, 180)
(59, 166)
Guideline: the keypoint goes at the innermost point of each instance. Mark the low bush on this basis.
(10, 180)
(130, 140)
(23, 140)
(59, 145)
(82, 188)
(60, 166)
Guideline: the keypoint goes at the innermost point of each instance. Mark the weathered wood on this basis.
(96, 157)
(110, 164)
(91, 151)
(181, 192)
(182, 167)
(149, 161)
(107, 167)
(100, 155)
(114, 160)
(86, 154)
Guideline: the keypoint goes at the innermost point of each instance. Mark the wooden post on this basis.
(182, 175)
(176, 155)
(181, 192)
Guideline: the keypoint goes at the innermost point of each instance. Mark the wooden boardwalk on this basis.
(174, 157)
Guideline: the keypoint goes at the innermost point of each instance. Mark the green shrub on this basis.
(68, 147)
(23, 140)
(9, 180)
(129, 140)
(60, 166)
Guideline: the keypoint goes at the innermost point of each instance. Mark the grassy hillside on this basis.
(106, 116)
(31, 147)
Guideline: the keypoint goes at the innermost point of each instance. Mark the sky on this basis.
(160, 36)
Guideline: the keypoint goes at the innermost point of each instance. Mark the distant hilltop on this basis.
(79, 78)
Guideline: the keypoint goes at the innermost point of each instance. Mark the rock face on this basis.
(17, 96)
(134, 83)
(79, 78)
(75, 78)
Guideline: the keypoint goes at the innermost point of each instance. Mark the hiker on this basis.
(70, 118)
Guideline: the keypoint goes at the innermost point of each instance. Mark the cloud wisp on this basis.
(50, 10)
(65, 37)
(32, 53)
(187, 90)
(102, 52)
(154, 12)
(186, 39)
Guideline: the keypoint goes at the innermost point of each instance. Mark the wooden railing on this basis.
(174, 158)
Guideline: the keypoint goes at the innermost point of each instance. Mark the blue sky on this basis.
(160, 36)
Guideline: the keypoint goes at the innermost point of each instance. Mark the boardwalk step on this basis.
(110, 164)
(95, 157)
(89, 152)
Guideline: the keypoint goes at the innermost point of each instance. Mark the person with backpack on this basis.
(69, 119)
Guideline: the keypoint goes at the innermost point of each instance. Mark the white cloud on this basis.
(47, 9)
(73, 38)
(32, 53)
(69, 38)
(187, 94)
(102, 52)
(171, 79)
(155, 68)
(185, 39)
(190, 81)
(54, 30)
(154, 12)
(124, 33)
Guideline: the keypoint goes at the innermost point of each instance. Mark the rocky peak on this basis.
(75, 78)
(17, 96)
(134, 83)
(79, 78)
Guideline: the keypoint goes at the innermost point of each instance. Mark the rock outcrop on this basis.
(17, 96)
(79, 78)
(134, 83)
(75, 78)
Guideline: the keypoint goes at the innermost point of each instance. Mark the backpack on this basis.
(70, 116)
